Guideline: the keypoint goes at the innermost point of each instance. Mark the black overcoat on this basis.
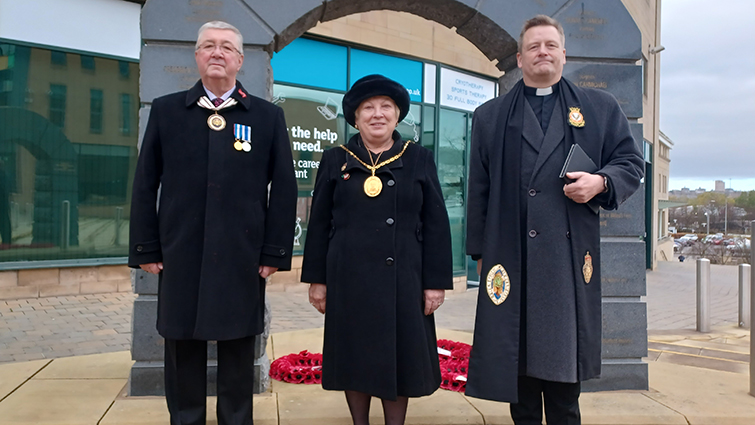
(376, 256)
(213, 229)
(496, 228)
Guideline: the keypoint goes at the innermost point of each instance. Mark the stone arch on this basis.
(55, 177)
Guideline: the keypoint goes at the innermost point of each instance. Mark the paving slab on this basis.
(495, 413)
(60, 402)
(705, 397)
(625, 408)
(154, 411)
(95, 366)
(295, 341)
(12, 375)
(313, 407)
(442, 408)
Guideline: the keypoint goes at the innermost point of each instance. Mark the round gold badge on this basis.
(238, 145)
(373, 186)
(216, 122)
(498, 284)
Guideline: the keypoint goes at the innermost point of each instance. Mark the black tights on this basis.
(359, 406)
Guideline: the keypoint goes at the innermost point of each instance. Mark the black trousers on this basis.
(561, 402)
(186, 381)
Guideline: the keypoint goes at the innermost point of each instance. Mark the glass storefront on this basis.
(68, 137)
(439, 119)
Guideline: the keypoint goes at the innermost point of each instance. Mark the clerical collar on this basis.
(532, 91)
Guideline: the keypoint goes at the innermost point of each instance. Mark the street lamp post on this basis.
(707, 223)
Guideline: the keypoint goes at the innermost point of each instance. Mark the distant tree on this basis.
(709, 198)
(746, 200)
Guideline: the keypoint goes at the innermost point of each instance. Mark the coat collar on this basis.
(240, 94)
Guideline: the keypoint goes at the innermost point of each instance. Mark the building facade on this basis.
(69, 108)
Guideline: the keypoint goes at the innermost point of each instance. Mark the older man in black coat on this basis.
(221, 160)
(536, 239)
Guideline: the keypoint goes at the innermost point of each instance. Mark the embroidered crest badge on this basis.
(498, 284)
(575, 117)
(587, 268)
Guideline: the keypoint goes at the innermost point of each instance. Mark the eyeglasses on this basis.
(226, 48)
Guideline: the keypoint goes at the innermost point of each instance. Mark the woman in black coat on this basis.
(378, 250)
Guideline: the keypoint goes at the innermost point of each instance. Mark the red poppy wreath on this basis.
(302, 368)
(306, 367)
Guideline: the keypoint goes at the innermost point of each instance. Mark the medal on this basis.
(238, 145)
(587, 268)
(243, 135)
(373, 186)
(246, 146)
(216, 122)
(498, 284)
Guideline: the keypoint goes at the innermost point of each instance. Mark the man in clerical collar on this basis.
(222, 162)
(535, 347)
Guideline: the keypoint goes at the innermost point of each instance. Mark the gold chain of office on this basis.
(373, 185)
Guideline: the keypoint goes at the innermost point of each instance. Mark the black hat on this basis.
(370, 86)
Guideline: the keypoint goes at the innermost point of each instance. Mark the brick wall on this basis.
(55, 282)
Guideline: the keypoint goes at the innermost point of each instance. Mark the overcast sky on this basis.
(708, 91)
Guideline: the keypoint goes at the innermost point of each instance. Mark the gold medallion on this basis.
(498, 284)
(587, 268)
(237, 145)
(373, 186)
(216, 122)
(575, 117)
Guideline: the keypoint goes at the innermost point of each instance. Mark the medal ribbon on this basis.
(206, 103)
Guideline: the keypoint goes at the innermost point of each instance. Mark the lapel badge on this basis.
(242, 93)
(243, 134)
(343, 167)
(498, 284)
(345, 176)
(575, 117)
(587, 267)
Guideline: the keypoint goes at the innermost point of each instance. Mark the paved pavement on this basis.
(55, 327)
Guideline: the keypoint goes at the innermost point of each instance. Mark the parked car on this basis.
(688, 239)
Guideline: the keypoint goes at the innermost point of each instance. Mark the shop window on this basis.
(95, 111)
(57, 113)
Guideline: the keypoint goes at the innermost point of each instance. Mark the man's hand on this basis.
(433, 299)
(153, 268)
(584, 187)
(266, 271)
(317, 292)
(479, 267)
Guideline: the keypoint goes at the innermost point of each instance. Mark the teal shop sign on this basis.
(311, 63)
(405, 71)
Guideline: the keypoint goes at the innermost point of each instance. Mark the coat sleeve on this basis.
(437, 256)
(479, 188)
(320, 224)
(144, 233)
(622, 161)
(280, 220)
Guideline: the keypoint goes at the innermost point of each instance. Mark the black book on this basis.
(578, 160)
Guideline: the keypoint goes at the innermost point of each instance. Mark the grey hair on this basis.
(220, 25)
